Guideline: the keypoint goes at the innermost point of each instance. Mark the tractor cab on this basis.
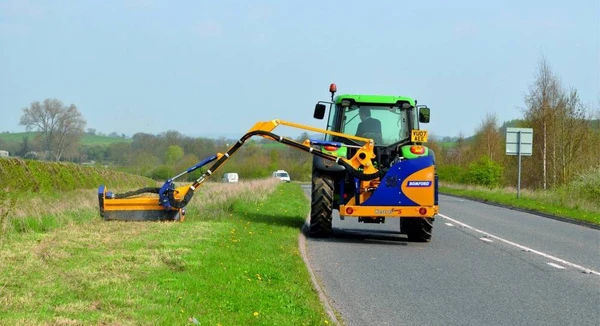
(393, 122)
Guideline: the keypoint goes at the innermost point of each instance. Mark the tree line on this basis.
(566, 144)
(167, 154)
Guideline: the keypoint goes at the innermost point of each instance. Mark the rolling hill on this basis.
(17, 137)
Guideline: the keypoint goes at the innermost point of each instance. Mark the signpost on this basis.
(519, 141)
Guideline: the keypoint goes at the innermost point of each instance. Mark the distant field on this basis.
(16, 136)
(87, 139)
(103, 140)
(273, 145)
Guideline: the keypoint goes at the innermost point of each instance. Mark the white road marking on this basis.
(486, 239)
(449, 224)
(556, 265)
(556, 259)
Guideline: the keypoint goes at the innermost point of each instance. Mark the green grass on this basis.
(87, 139)
(558, 203)
(234, 262)
(26, 176)
(17, 136)
(40, 196)
(102, 140)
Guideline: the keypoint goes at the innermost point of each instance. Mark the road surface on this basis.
(485, 265)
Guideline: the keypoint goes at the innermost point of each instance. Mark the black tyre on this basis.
(321, 205)
(417, 229)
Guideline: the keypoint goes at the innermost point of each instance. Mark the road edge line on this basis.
(522, 247)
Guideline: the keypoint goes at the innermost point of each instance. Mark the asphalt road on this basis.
(485, 265)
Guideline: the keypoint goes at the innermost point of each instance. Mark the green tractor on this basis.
(398, 181)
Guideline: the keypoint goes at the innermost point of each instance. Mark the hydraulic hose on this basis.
(136, 192)
(351, 170)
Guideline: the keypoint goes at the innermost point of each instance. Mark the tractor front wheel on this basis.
(321, 205)
(417, 229)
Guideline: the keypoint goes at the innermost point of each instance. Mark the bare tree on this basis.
(542, 101)
(60, 127)
(488, 139)
(572, 133)
(458, 154)
(593, 144)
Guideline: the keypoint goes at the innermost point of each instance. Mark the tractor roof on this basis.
(374, 99)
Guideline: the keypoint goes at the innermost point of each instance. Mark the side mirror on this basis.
(319, 111)
(424, 115)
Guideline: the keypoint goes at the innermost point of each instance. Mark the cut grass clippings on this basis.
(554, 203)
(240, 266)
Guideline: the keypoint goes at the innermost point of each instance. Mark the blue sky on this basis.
(217, 67)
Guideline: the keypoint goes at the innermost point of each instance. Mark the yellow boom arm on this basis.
(175, 199)
(360, 160)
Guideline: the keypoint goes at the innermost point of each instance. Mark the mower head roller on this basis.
(142, 205)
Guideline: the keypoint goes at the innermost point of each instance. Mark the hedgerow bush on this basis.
(451, 173)
(162, 172)
(587, 184)
(484, 172)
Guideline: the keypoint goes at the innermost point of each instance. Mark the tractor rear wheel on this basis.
(417, 229)
(321, 205)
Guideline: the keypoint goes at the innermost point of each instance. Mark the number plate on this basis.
(419, 136)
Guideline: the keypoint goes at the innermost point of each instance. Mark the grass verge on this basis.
(557, 203)
(234, 261)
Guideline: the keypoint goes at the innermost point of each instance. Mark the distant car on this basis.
(282, 175)
(231, 177)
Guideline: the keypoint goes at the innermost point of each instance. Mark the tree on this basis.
(457, 155)
(562, 132)
(185, 163)
(437, 148)
(172, 137)
(571, 135)
(25, 147)
(60, 126)
(142, 162)
(173, 154)
(303, 136)
(274, 164)
(542, 101)
(488, 139)
(118, 153)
